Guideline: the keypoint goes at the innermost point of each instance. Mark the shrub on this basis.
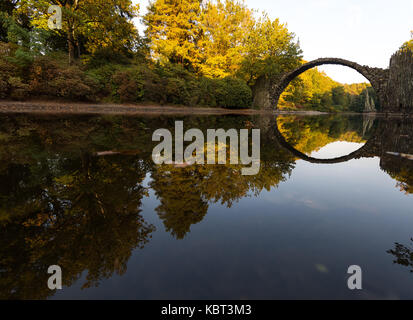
(11, 85)
(105, 56)
(128, 85)
(51, 76)
(170, 84)
(174, 84)
(176, 91)
(172, 81)
(102, 77)
(238, 95)
(43, 71)
(154, 87)
(206, 92)
(230, 93)
(54, 79)
(72, 84)
(5, 74)
(19, 90)
(4, 89)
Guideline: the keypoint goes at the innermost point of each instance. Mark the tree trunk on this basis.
(78, 49)
(71, 44)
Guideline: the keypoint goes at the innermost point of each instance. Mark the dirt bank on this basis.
(98, 108)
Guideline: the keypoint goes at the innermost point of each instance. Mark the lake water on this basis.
(83, 192)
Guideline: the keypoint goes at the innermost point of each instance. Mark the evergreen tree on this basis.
(6, 10)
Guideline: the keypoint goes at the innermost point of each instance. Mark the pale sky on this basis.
(336, 149)
(364, 31)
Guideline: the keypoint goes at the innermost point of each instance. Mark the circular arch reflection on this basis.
(364, 151)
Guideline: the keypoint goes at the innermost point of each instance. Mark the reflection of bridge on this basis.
(368, 150)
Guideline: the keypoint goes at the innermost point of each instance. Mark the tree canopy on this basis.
(96, 23)
(193, 52)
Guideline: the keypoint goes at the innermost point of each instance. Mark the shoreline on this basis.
(57, 107)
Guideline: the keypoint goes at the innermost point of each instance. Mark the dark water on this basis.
(82, 192)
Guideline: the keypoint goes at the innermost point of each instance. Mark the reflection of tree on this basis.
(391, 140)
(185, 193)
(60, 203)
(86, 217)
(405, 182)
(181, 201)
(308, 134)
(403, 255)
(401, 170)
(395, 137)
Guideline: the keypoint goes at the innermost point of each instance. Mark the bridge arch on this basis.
(374, 75)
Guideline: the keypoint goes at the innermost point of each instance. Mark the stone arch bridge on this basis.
(267, 91)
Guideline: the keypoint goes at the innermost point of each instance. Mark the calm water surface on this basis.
(83, 192)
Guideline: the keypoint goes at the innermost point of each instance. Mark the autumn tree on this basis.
(226, 26)
(103, 23)
(270, 50)
(408, 45)
(174, 30)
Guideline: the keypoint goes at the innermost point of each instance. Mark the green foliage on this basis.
(314, 90)
(102, 75)
(195, 53)
(128, 85)
(12, 84)
(19, 89)
(6, 72)
(339, 96)
(270, 50)
(88, 24)
(177, 85)
(106, 56)
(358, 102)
(234, 93)
(52, 79)
(6, 9)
